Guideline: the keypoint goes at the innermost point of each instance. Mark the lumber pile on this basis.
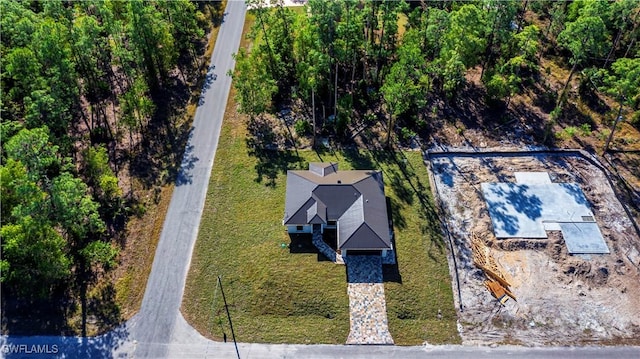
(496, 283)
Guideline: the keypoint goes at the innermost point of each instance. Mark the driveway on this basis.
(367, 305)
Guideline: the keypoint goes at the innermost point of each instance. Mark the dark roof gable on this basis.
(353, 198)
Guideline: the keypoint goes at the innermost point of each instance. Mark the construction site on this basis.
(543, 251)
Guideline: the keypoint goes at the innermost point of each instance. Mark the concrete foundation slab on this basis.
(532, 177)
(519, 210)
(551, 226)
(583, 238)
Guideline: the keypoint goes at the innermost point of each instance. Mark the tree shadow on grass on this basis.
(403, 192)
(103, 308)
(574, 116)
(262, 143)
(409, 187)
(394, 210)
(359, 160)
(52, 316)
(156, 160)
(214, 9)
(386, 161)
(401, 176)
(272, 163)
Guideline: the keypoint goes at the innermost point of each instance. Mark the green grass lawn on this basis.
(276, 296)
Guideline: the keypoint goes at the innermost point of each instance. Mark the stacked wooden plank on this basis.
(496, 283)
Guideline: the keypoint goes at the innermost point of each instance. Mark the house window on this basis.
(331, 223)
(299, 228)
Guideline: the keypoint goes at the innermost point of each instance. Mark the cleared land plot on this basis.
(562, 299)
(281, 294)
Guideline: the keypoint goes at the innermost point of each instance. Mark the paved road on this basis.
(160, 311)
(159, 331)
(102, 347)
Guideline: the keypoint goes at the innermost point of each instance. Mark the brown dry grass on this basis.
(137, 257)
(143, 233)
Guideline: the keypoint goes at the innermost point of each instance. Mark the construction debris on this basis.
(497, 284)
(571, 299)
(498, 291)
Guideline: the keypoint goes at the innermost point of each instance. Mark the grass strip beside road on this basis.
(144, 233)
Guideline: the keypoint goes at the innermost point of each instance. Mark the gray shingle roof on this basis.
(317, 213)
(355, 199)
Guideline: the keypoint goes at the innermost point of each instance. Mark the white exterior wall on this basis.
(305, 229)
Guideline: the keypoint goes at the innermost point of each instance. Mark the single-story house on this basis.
(352, 202)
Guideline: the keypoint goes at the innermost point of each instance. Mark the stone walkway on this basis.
(323, 247)
(367, 306)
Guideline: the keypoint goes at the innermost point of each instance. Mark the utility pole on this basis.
(233, 335)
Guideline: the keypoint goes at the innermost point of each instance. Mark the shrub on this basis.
(585, 129)
(302, 127)
(406, 134)
(571, 131)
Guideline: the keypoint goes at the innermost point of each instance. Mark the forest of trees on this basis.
(355, 59)
(80, 87)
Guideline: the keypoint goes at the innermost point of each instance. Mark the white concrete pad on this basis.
(551, 226)
(532, 177)
(583, 238)
(519, 210)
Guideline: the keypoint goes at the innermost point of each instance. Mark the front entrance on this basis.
(330, 237)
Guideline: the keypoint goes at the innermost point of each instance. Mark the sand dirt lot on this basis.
(562, 299)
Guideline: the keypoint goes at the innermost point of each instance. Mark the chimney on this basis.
(323, 169)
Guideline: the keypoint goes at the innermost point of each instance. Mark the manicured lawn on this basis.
(276, 296)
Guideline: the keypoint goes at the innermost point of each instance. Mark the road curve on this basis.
(160, 331)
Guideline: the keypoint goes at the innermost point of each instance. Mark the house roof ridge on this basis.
(351, 197)
(351, 236)
(377, 236)
(366, 177)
